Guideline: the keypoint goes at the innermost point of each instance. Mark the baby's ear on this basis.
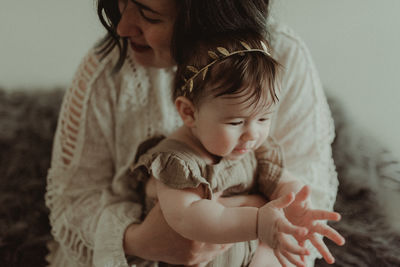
(186, 110)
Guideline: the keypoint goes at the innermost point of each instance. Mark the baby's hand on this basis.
(299, 213)
(274, 230)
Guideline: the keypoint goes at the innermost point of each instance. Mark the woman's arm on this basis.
(303, 126)
(83, 204)
(287, 183)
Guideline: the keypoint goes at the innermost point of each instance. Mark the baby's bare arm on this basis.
(165, 243)
(205, 220)
(254, 200)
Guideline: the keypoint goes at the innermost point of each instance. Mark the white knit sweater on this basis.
(104, 118)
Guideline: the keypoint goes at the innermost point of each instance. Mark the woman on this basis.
(122, 98)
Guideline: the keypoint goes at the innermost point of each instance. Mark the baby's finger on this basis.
(292, 247)
(303, 194)
(325, 215)
(288, 228)
(290, 257)
(280, 258)
(322, 249)
(282, 202)
(301, 244)
(329, 232)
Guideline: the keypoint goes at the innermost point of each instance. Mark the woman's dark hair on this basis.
(196, 20)
(208, 19)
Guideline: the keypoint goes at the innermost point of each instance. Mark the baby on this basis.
(226, 94)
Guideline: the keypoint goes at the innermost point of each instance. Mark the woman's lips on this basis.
(139, 48)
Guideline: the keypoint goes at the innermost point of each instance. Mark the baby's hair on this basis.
(252, 73)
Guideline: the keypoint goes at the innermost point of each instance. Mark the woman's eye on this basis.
(263, 119)
(147, 17)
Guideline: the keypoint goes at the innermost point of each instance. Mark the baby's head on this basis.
(226, 93)
(228, 66)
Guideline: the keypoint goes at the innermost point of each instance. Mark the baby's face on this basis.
(230, 126)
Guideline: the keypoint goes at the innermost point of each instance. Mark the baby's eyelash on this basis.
(235, 123)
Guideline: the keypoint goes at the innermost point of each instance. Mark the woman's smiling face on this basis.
(148, 25)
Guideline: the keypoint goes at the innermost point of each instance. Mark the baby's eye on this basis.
(235, 123)
(263, 119)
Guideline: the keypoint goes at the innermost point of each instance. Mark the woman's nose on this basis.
(128, 25)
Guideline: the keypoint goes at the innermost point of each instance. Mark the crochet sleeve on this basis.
(303, 125)
(86, 214)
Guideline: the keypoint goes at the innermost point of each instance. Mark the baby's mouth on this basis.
(242, 150)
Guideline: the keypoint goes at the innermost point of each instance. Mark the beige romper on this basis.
(178, 166)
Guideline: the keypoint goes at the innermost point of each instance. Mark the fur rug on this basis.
(368, 193)
(27, 124)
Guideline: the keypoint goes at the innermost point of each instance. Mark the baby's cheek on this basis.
(221, 143)
(264, 135)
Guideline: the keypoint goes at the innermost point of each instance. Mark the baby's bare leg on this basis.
(264, 257)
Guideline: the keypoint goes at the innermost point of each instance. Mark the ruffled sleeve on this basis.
(303, 125)
(175, 170)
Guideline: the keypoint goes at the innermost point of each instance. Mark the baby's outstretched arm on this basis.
(209, 221)
(196, 218)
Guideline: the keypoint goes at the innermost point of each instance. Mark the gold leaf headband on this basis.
(215, 57)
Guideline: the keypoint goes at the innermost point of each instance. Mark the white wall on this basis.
(43, 41)
(354, 43)
(356, 47)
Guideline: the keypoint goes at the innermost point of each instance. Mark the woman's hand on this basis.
(275, 230)
(299, 213)
(154, 240)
